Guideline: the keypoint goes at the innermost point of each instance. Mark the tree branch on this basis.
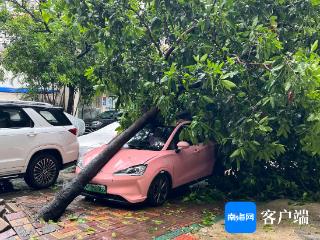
(44, 23)
(173, 47)
(88, 49)
(263, 65)
(31, 14)
(142, 21)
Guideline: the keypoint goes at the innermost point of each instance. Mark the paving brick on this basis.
(62, 235)
(26, 231)
(7, 234)
(103, 236)
(2, 210)
(37, 224)
(47, 237)
(12, 207)
(142, 235)
(13, 238)
(19, 222)
(128, 230)
(83, 226)
(101, 221)
(3, 225)
(185, 237)
(15, 215)
(48, 228)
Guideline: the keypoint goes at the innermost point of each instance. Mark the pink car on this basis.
(152, 163)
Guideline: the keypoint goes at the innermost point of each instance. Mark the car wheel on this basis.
(43, 171)
(159, 190)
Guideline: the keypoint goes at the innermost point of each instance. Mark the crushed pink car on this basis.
(152, 163)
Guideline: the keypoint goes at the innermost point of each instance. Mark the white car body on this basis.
(18, 145)
(78, 123)
(98, 138)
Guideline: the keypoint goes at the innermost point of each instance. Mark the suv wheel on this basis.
(43, 171)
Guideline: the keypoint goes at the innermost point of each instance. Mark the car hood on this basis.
(123, 159)
(103, 120)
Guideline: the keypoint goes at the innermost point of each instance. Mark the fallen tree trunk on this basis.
(63, 198)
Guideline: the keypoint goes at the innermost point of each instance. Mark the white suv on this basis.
(36, 141)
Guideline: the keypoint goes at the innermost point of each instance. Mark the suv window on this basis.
(14, 118)
(55, 117)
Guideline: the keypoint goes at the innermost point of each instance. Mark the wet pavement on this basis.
(101, 219)
(176, 220)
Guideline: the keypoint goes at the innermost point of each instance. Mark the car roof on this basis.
(27, 104)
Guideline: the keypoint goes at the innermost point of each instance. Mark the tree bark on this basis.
(71, 100)
(63, 198)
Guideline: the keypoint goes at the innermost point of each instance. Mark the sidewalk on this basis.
(101, 220)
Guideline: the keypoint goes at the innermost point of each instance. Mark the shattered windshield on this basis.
(150, 138)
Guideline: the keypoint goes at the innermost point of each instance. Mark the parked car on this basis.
(102, 120)
(36, 141)
(152, 163)
(78, 123)
(97, 139)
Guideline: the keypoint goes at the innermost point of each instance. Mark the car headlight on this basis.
(80, 162)
(133, 171)
(96, 123)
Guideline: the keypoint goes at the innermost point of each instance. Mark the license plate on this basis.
(96, 188)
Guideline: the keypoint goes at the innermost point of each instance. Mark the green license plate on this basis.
(96, 188)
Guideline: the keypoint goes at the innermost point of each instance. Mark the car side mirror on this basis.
(182, 145)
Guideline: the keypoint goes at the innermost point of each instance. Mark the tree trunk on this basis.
(71, 100)
(63, 198)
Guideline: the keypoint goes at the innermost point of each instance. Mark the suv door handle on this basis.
(31, 134)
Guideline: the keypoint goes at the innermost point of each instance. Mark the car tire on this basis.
(43, 171)
(159, 190)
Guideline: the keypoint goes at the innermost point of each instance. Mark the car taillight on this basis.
(74, 131)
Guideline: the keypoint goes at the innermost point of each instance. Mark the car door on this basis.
(205, 159)
(188, 164)
(16, 129)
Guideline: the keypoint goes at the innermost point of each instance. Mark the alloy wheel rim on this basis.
(44, 171)
(160, 190)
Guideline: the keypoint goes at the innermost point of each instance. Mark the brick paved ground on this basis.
(102, 220)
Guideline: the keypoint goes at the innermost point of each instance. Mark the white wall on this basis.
(10, 96)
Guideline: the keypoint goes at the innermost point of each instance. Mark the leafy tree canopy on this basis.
(247, 72)
(46, 48)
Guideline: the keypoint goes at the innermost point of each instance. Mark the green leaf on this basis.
(236, 153)
(277, 68)
(164, 79)
(315, 2)
(228, 84)
(287, 86)
(272, 102)
(208, 99)
(89, 72)
(46, 16)
(238, 164)
(314, 46)
(204, 58)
